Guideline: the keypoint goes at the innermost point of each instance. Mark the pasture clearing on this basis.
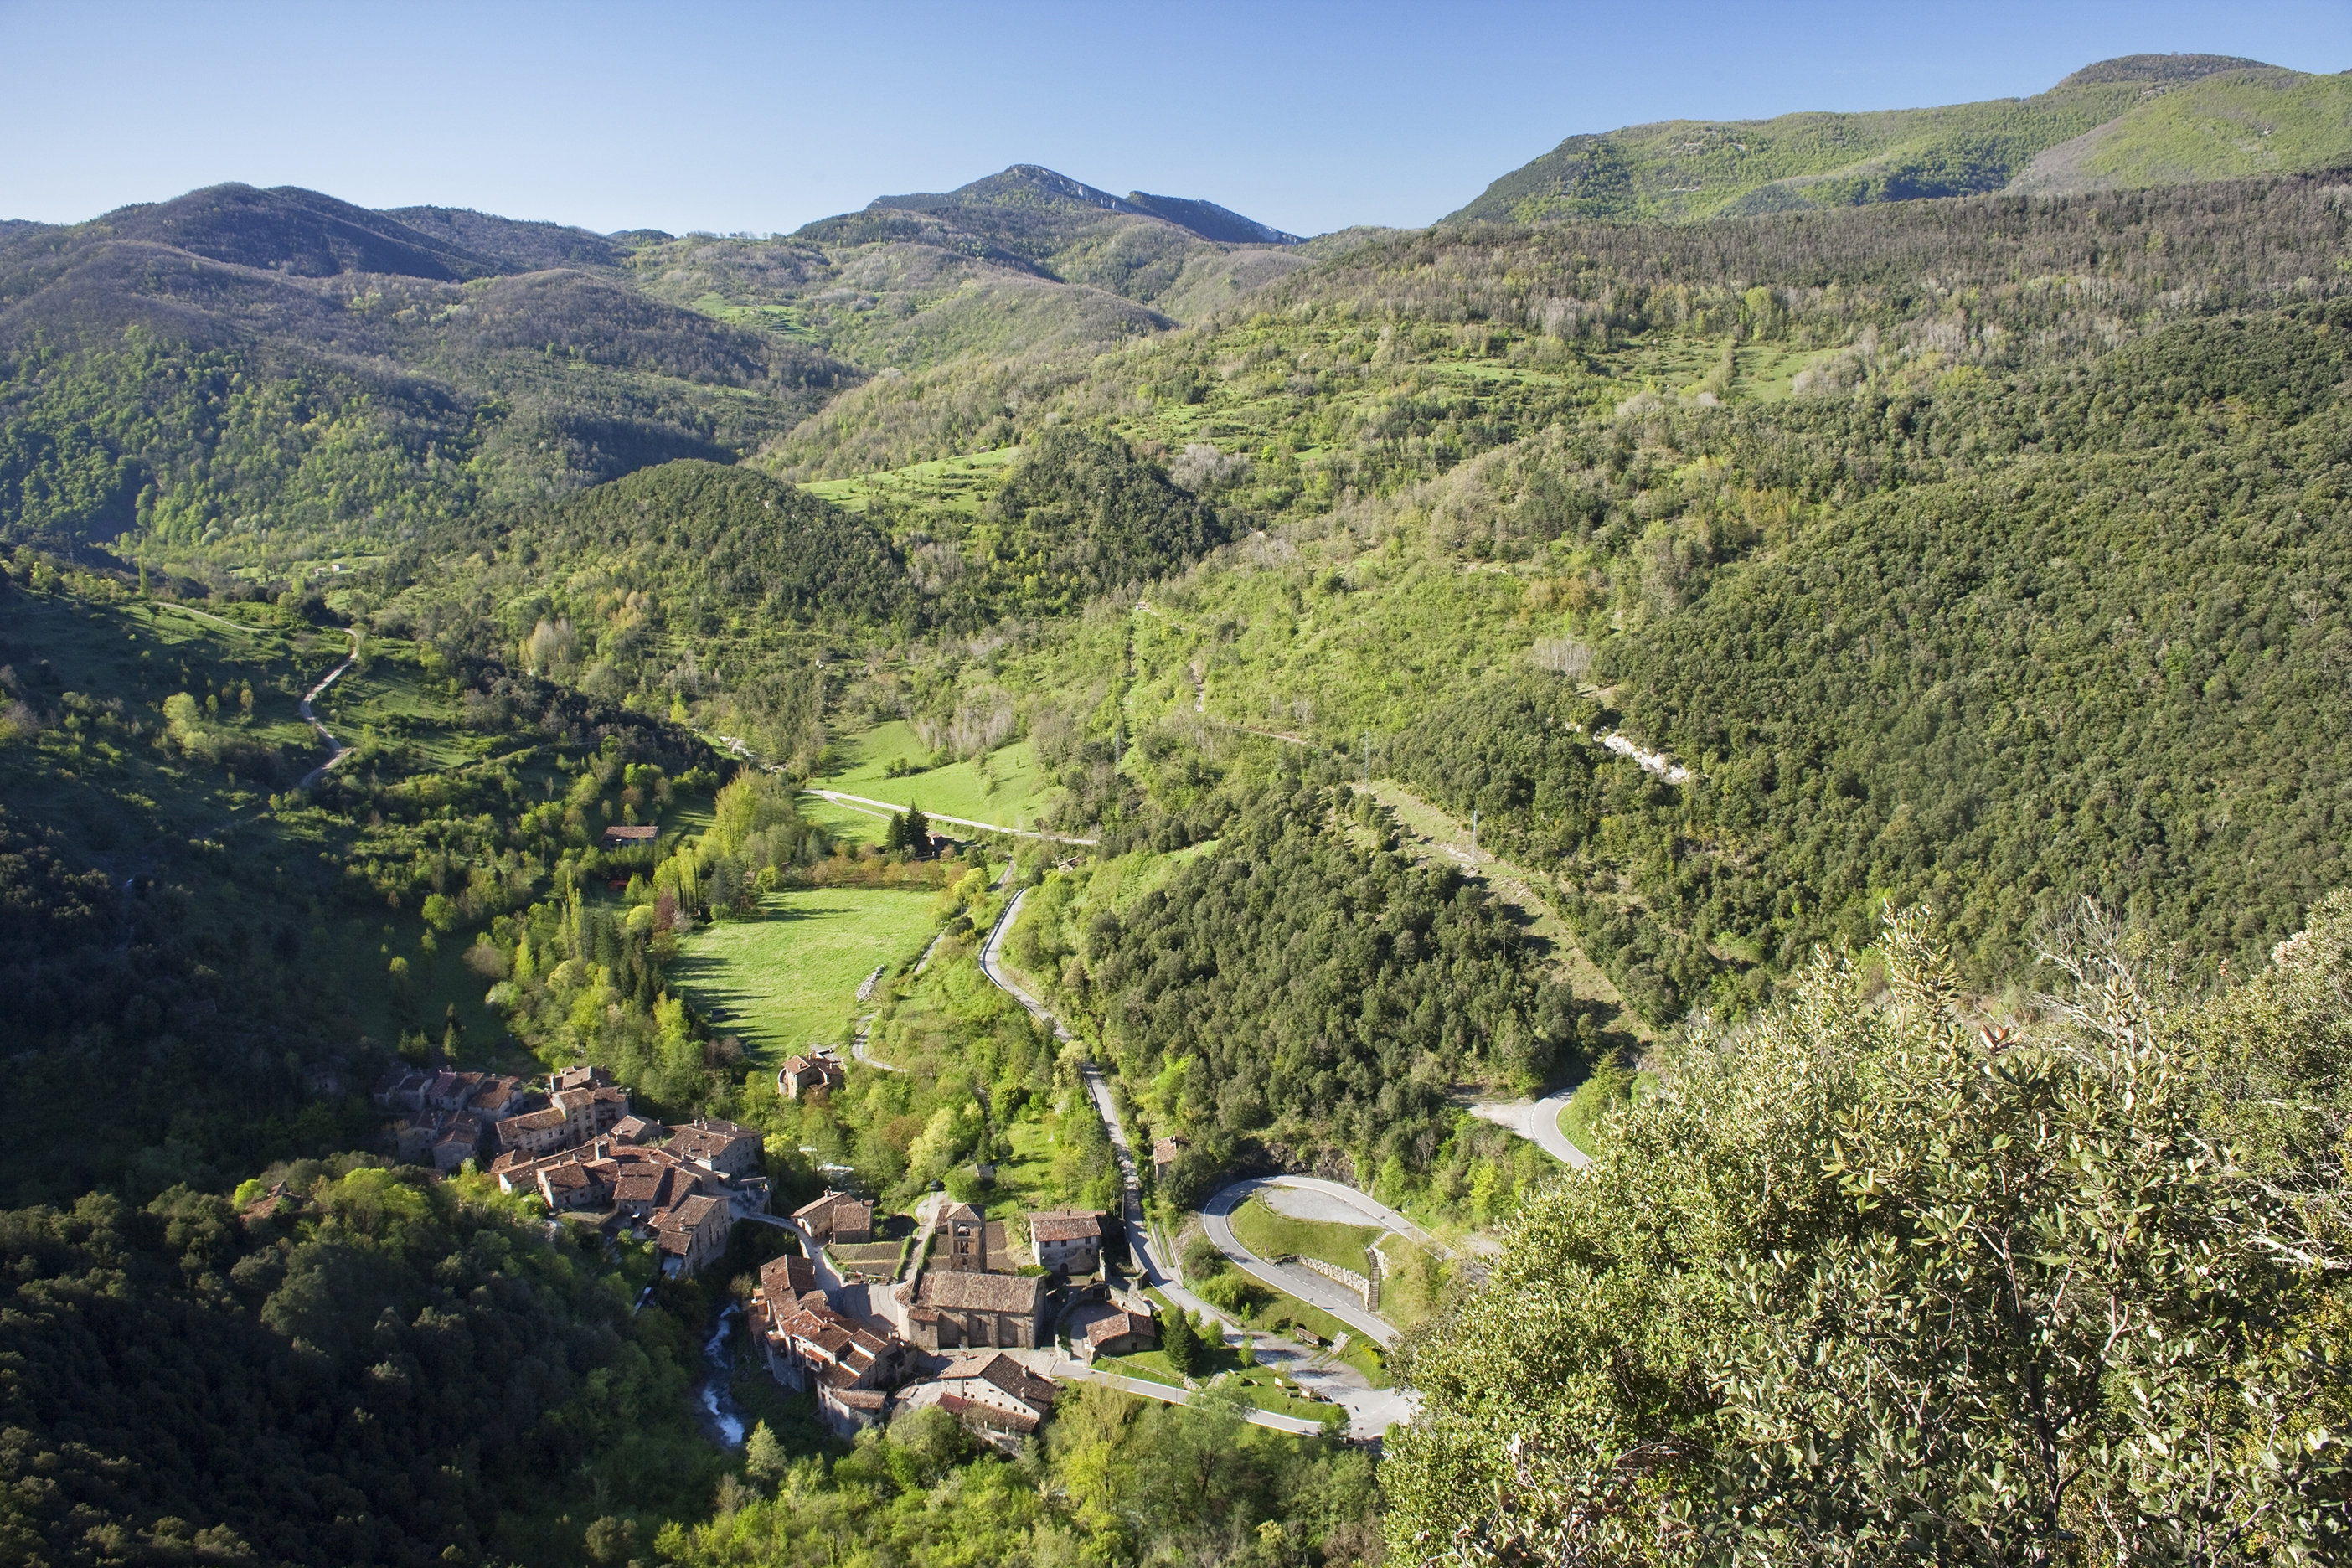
(790, 979)
(1006, 787)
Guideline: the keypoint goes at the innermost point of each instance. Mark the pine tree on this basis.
(763, 1457)
(1178, 1344)
(919, 830)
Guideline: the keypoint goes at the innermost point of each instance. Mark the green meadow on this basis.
(790, 979)
(1005, 787)
(960, 486)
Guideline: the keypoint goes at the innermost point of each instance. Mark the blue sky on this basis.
(760, 117)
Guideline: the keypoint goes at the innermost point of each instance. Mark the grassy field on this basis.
(791, 979)
(846, 824)
(1415, 1282)
(1006, 787)
(1272, 1235)
(957, 485)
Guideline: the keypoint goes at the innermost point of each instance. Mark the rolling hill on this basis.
(2139, 119)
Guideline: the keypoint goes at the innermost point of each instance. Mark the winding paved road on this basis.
(1371, 1411)
(1537, 1121)
(1216, 1219)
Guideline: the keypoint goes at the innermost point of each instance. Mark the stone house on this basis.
(1165, 1153)
(723, 1146)
(997, 1399)
(851, 1365)
(837, 1216)
(591, 1112)
(458, 1141)
(637, 1130)
(818, 1070)
(649, 1188)
(577, 1184)
(951, 1309)
(503, 1095)
(1068, 1241)
(692, 1234)
(786, 1279)
(401, 1089)
(1120, 1326)
(960, 1241)
(584, 1076)
(535, 1133)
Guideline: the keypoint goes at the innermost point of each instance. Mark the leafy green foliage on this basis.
(1867, 1286)
(1117, 1480)
(382, 1368)
(1080, 515)
(2145, 118)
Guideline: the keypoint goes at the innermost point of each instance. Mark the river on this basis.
(717, 1400)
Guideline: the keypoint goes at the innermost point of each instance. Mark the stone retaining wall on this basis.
(1366, 1291)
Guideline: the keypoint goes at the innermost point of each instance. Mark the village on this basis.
(953, 1314)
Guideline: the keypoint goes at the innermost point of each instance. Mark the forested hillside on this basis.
(2142, 119)
(1858, 683)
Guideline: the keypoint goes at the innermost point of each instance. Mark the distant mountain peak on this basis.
(2160, 69)
(1021, 180)
(1024, 184)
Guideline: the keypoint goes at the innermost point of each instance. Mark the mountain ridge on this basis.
(1030, 185)
(2136, 119)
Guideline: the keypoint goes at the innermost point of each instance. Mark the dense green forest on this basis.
(1858, 680)
(380, 1369)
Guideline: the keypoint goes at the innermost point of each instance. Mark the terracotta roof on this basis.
(787, 1279)
(632, 833)
(537, 1120)
(862, 1398)
(997, 1368)
(960, 1292)
(1115, 1326)
(1066, 1225)
(703, 1142)
(816, 1207)
(693, 1211)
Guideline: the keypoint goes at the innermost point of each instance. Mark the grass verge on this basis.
(1272, 1235)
